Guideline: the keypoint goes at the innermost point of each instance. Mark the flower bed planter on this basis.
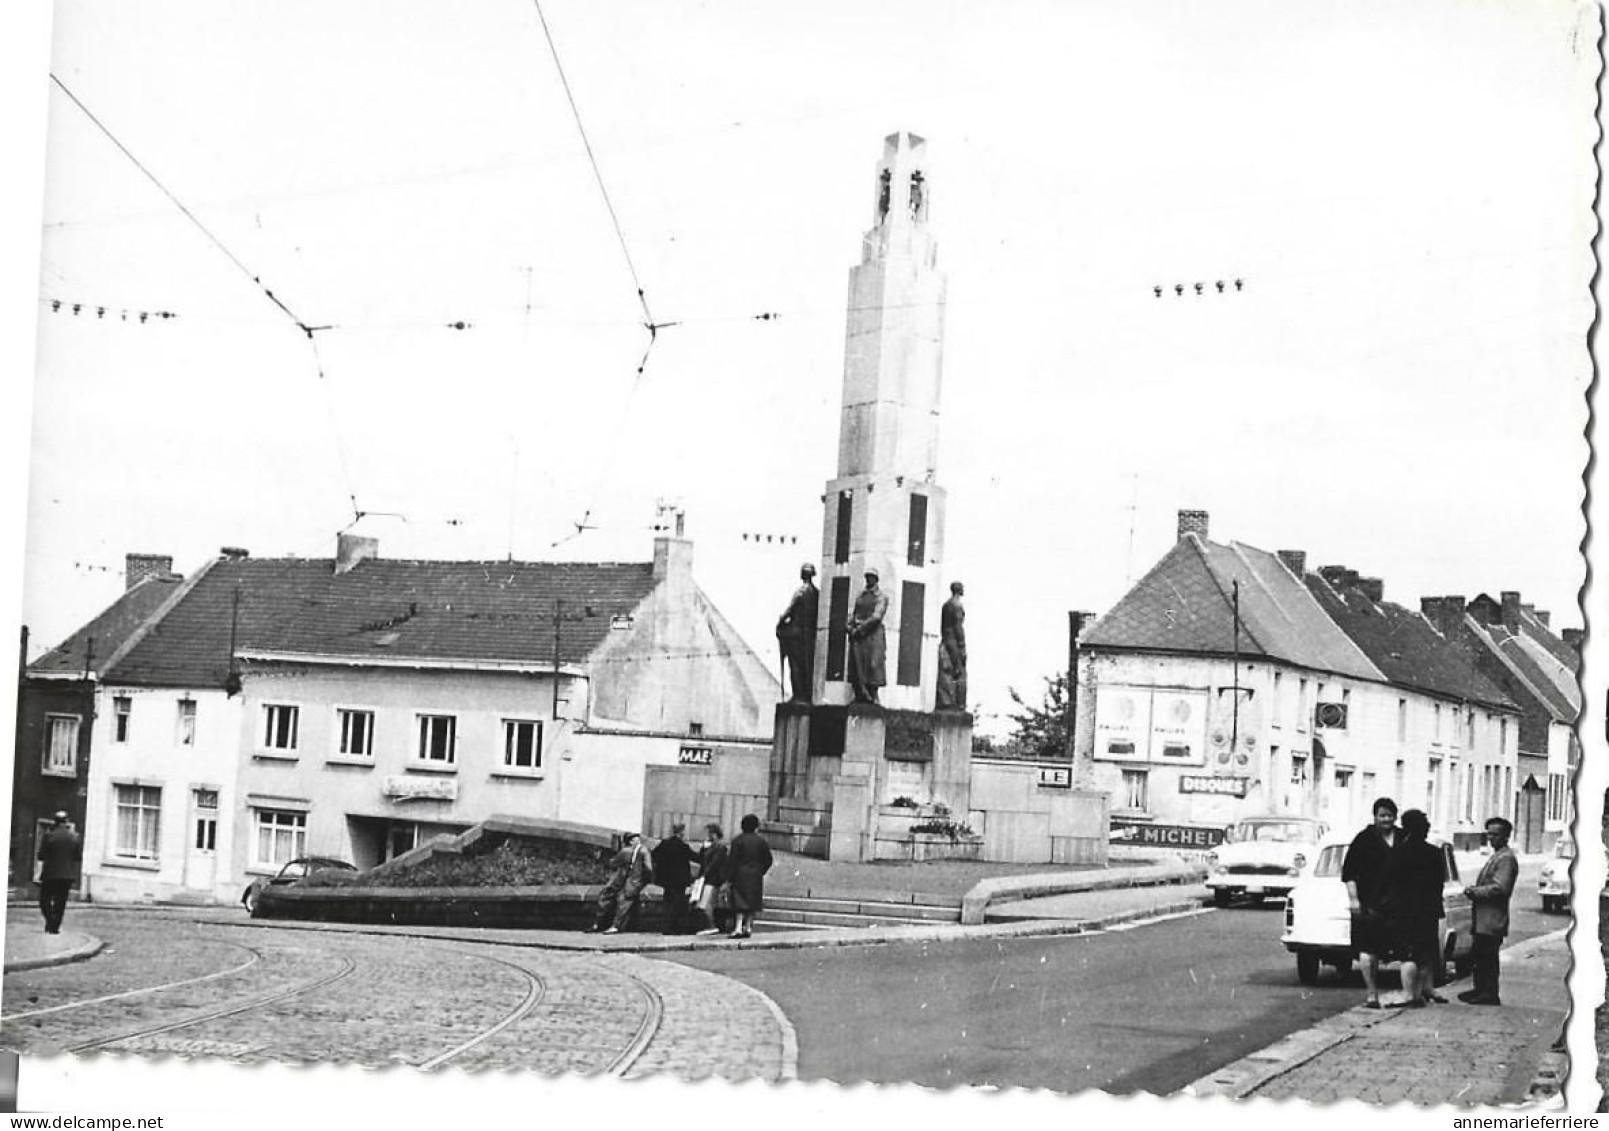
(938, 846)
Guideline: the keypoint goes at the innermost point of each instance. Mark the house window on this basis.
(1556, 796)
(1299, 770)
(122, 707)
(522, 744)
(438, 739)
(1437, 739)
(138, 821)
(1343, 778)
(1502, 737)
(695, 730)
(1301, 704)
(206, 820)
(1432, 787)
(1402, 720)
(187, 722)
(1136, 794)
(1279, 697)
(61, 746)
(281, 837)
(280, 723)
(357, 733)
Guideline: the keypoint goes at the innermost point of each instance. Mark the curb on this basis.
(819, 939)
(88, 949)
(1240, 1078)
(974, 905)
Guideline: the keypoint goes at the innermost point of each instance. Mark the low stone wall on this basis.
(557, 908)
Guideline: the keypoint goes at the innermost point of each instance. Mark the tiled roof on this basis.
(98, 640)
(1550, 682)
(1404, 646)
(386, 610)
(1184, 604)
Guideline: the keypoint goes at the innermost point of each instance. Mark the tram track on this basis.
(217, 1012)
(536, 992)
(647, 1029)
(256, 957)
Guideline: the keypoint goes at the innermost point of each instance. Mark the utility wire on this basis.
(308, 330)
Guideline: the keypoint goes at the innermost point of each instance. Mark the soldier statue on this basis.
(796, 634)
(867, 642)
(951, 690)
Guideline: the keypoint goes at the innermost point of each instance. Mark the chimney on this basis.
(353, 549)
(1573, 638)
(1446, 614)
(1295, 561)
(1193, 522)
(1373, 588)
(1511, 609)
(137, 567)
(673, 557)
(1339, 577)
(233, 553)
(1542, 615)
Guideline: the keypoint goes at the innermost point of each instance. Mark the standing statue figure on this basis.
(796, 634)
(952, 681)
(867, 642)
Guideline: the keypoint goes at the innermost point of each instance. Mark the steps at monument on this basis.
(820, 912)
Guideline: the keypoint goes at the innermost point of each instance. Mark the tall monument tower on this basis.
(883, 510)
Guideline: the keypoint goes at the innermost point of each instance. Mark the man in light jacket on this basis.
(1489, 895)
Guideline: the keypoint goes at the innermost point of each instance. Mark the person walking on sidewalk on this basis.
(1490, 895)
(1410, 900)
(748, 860)
(631, 873)
(712, 878)
(1362, 873)
(61, 852)
(673, 870)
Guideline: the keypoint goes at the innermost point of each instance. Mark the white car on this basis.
(1554, 883)
(1262, 856)
(1318, 919)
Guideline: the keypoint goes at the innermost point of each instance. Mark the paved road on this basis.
(166, 984)
(1148, 1009)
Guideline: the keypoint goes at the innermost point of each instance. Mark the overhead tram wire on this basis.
(307, 329)
(653, 327)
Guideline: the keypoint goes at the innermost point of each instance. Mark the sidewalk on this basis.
(1447, 1054)
(28, 947)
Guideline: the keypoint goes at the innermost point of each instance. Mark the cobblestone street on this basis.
(167, 985)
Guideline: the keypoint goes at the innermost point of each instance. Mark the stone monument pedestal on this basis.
(838, 770)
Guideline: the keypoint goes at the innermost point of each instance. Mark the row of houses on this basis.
(1231, 681)
(207, 729)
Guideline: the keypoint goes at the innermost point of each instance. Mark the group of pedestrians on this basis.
(1394, 879)
(717, 889)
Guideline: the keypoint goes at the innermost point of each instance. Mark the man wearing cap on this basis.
(796, 634)
(61, 857)
(867, 644)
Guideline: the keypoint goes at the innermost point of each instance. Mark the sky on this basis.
(1404, 192)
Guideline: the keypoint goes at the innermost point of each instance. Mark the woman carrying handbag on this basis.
(711, 880)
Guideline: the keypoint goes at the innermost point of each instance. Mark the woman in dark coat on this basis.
(747, 861)
(1410, 900)
(712, 870)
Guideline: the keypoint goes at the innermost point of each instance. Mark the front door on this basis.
(201, 855)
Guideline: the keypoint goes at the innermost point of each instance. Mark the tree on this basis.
(1041, 732)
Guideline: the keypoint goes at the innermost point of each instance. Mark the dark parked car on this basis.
(297, 870)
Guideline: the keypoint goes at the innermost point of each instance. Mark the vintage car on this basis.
(298, 869)
(1318, 919)
(1554, 883)
(1261, 856)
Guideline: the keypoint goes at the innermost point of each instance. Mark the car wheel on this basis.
(1307, 968)
(1221, 897)
(249, 901)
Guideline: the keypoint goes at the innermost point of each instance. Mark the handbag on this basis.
(696, 892)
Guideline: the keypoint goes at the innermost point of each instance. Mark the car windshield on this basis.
(1333, 857)
(1280, 832)
(1330, 861)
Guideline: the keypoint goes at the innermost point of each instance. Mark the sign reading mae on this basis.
(407, 787)
(1208, 783)
(1165, 836)
(695, 756)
